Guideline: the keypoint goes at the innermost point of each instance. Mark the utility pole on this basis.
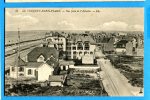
(18, 54)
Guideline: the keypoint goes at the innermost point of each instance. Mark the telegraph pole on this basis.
(18, 53)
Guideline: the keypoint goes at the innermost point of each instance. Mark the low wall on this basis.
(86, 67)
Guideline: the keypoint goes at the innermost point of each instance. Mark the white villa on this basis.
(83, 47)
(31, 70)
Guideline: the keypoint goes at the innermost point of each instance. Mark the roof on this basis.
(47, 52)
(105, 40)
(34, 64)
(83, 39)
(52, 62)
(57, 78)
(19, 62)
(122, 42)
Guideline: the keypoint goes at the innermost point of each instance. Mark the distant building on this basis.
(140, 46)
(41, 62)
(44, 71)
(134, 42)
(122, 33)
(140, 42)
(108, 44)
(140, 52)
(129, 48)
(68, 47)
(57, 80)
(65, 65)
(17, 68)
(58, 41)
(82, 46)
(42, 54)
(88, 59)
(121, 47)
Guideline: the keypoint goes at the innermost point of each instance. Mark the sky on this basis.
(104, 19)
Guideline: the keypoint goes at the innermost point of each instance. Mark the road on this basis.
(114, 84)
(9, 60)
(10, 49)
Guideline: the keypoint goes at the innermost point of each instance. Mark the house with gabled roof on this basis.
(81, 46)
(120, 47)
(58, 40)
(57, 80)
(39, 71)
(108, 44)
(41, 62)
(41, 54)
(17, 68)
(65, 65)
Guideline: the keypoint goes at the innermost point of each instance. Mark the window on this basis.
(12, 69)
(74, 48)
(86, 44)
(80, 46)
(80, 53)
(85, 52)
(35, 72)
(91, 52)
(29, 72)
(68, 48)
(21, 69)
(74, 52)
(74, 43)
(41, 58)
(86, 48)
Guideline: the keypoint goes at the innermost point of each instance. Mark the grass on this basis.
(130, 67)
(79, 83)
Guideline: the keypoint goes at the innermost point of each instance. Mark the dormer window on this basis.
(80, 46)
(86, 46)
(41, 58)
(52, 55)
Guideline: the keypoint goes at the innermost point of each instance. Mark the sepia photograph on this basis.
(74, 52)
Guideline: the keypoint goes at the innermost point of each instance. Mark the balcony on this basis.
(86, 48)
(80, 48)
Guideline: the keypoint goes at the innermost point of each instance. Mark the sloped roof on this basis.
(122, 42)
(34, 64)
(52, 62)
(19, 62)
(83, 39)
(47, 52)
(105, 40)
(57, 78)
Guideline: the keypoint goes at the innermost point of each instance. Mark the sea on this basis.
(12, 36)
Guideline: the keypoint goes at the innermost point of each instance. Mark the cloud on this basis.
(114, 25)
(138, 27)
(66, 25)
(15, 21)
(27, 22)
(119, 26)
